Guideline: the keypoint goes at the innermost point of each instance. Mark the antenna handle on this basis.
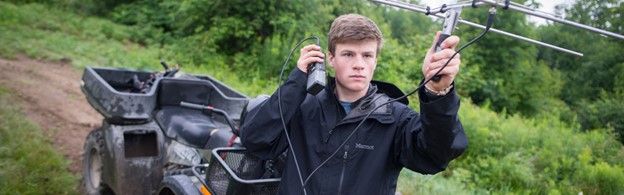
(437, 49)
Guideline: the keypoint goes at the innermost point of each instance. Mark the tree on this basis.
(509, 77)
(592, 86)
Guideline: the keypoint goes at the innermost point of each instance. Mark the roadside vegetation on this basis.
(538, 122)
(28, 162)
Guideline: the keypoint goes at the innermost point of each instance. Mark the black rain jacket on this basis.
(393, 137)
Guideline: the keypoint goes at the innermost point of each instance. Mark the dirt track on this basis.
(49, 95)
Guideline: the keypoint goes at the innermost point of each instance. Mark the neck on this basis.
(348, 95)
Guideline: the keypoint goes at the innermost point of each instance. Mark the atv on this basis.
(169, 133)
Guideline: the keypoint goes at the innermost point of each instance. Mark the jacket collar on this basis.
(364, 105)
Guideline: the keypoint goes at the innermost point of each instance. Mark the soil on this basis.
(49, 95)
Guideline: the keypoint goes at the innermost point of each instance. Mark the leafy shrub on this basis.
(512, 154)
(608, 111)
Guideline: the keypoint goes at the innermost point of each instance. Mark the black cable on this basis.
(487, 28)
(279, 103)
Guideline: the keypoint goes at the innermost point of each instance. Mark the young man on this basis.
(393, 137)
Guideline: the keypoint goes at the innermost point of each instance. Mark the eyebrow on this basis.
(369, 52)
(351, 51)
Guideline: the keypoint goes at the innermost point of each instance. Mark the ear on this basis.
(330, 56)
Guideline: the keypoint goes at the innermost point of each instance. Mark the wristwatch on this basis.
(438, 93)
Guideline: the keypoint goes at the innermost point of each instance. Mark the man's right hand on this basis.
(308, 55)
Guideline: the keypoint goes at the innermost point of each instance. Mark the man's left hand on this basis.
(434, 61)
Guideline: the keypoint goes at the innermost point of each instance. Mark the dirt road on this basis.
(49, 95)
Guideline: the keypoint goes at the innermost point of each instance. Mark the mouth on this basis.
(357, 76)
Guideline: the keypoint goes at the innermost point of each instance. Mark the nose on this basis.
(359, 63)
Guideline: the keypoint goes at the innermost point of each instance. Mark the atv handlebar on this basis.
(169, 72)
(227, 117)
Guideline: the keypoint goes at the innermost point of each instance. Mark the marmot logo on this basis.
(366, 147)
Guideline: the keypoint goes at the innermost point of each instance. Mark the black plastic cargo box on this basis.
(108, 91)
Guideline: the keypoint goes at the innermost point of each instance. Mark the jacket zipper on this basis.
(344, 167)
(329, 135)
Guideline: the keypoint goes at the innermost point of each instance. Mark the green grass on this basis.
(48, 33)
(29, 164)
(43, 32)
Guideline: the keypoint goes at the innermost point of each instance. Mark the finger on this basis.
(444, 54)
(448, 71)
(311, 60)
(435, 40)
(450, 42)
(314, 53)
(439, 64)
(309, 48)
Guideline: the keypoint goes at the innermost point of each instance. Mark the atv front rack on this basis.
(232, 172)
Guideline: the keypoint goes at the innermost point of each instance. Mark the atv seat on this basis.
(188, 126)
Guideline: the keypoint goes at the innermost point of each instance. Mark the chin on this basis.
(358, 87)
(354, 86)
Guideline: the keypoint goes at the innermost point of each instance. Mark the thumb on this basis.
(435, 40)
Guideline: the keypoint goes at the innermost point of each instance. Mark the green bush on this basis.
(512, 154)
(608, 111)
(601, 178)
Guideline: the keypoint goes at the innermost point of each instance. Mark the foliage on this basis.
(231, 35)
(512, 155)
(592, 85)
(532, 145)
(33, 166)
(86, 41)
(509, 78)
(414, 183)
(509, 154)
(604, 112)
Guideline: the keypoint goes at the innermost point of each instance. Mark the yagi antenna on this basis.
(457, 7)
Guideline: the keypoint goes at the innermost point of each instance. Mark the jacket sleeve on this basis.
(426, 143)
(262, 132)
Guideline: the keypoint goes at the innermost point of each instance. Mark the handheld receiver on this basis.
(452, 16)
(316, 76)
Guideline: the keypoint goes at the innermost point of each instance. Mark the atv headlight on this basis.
(181, 154)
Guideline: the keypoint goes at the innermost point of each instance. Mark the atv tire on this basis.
(93, 165)
(178, 185)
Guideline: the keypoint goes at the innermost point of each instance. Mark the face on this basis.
(354, 63)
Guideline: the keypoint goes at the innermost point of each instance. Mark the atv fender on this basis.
(134, 159)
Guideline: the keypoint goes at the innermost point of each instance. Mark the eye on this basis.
(347, 54)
